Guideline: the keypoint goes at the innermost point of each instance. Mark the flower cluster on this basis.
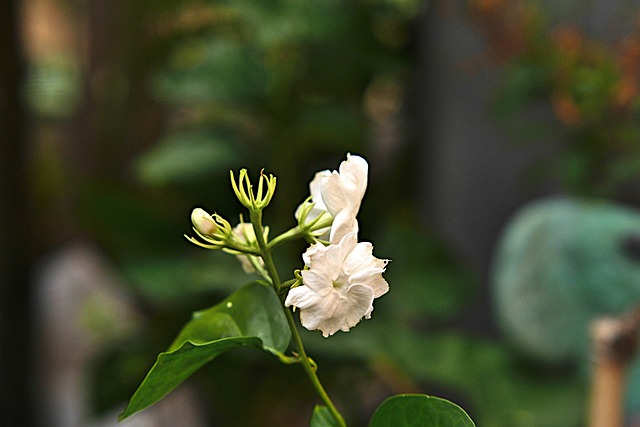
(341, 277)
(340, 280)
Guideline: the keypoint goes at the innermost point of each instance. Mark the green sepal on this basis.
(252, 316)
(419, 410)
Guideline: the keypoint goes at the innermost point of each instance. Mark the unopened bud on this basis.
(203, 222)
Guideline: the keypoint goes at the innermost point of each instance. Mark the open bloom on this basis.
(340, 194)
(340, 285)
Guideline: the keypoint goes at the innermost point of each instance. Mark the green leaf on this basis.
(322, 418)
(252, 316)
(407, 410)
(252, 311)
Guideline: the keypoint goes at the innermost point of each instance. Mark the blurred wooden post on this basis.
(614, 342)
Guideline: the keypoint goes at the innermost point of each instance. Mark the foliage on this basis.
(412, 411)
(258, 314)
(250, 317)
(590, 85)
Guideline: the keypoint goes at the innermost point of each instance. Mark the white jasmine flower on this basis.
(243, 233)
(340, 194)
(340, 285)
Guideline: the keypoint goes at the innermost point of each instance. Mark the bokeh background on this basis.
(118, 118)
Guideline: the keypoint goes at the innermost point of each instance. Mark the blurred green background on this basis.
(121, 117)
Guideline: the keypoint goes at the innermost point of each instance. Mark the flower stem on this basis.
(265, 252)
(311, 372)
(291, 234)
(256, 221)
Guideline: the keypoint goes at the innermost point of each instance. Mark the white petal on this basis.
(332, 313)
(347, 244)
(325, 263)
(339, 252)
(318, 280)
(358, 302)
(321, 315)
(373, 278)
(345, 189)
(335, 196)
(380, 286)
(353, 172)
(345, 222)
(339, 312)
(315, 188)
(360, 257)
(311, 250)
(302, 297)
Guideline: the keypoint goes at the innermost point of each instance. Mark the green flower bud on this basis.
(244, 190)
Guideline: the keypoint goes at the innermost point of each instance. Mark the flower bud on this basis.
(253, 200)
(203, 222)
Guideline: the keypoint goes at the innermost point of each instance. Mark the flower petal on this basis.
(360, 302)
(318, 280)
(315, 188)
(321, 315)
(346, 245)
(371, 277)
(354, 173)
(344, 223)
(345, 189)
(360, 257)
(311, 250)
(335, 196)
(302, 297)
(339, 311)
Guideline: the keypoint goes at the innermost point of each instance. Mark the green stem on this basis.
(311, 372)
(291, 234)
(256, 221)
(299, 232)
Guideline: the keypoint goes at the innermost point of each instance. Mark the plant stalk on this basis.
(311, 373)
(291, 234)
(256, 221)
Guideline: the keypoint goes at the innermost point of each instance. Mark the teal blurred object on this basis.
(559, 264)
